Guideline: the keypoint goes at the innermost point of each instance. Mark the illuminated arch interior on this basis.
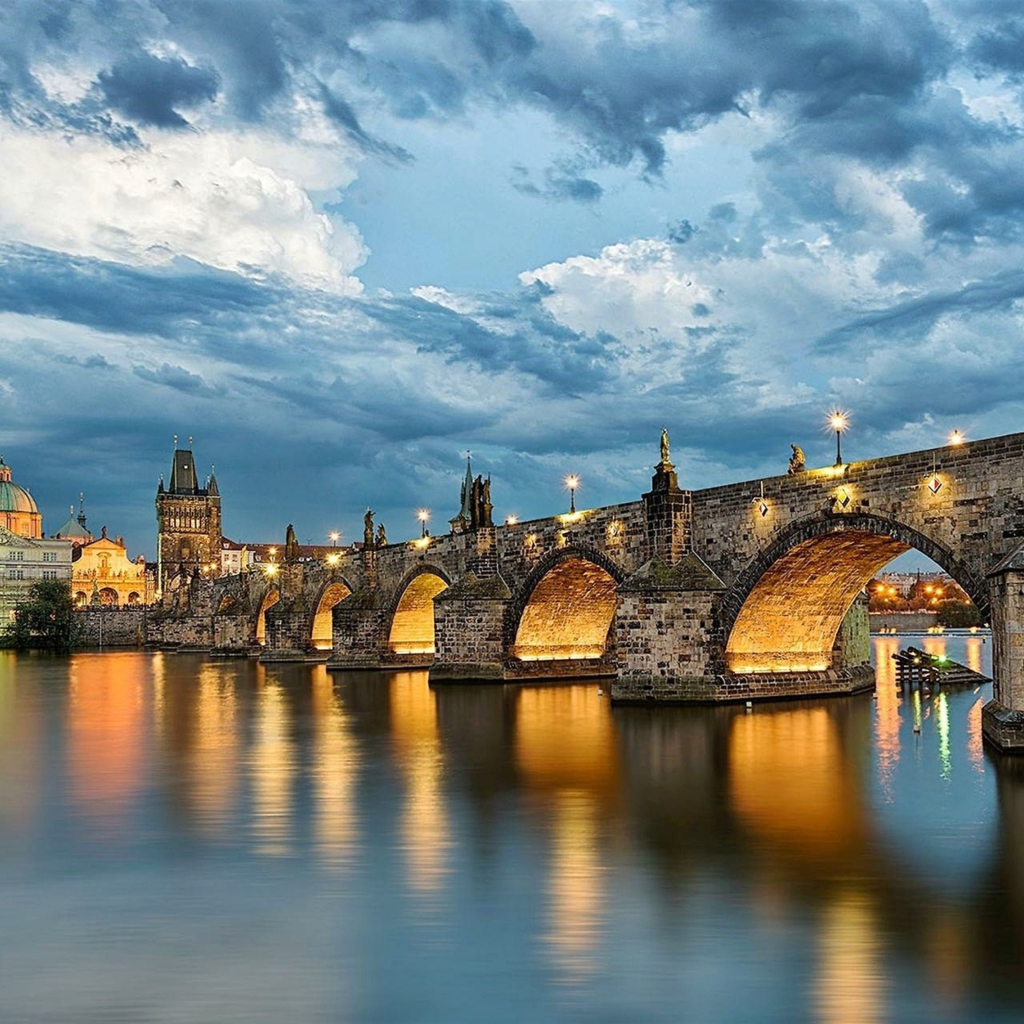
(261, 620)
(323, 627)
(412, 629)
(568, 614)
(790, 619)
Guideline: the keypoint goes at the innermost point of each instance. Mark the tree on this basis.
(44, 618)
(957, 614)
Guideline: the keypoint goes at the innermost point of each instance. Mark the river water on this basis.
(210, 841)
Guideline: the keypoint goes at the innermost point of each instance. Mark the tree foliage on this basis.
(44, 619)
(957, 614)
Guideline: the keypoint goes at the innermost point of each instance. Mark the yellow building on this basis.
(104, 574)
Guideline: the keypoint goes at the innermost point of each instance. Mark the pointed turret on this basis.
(463, 520)
(211, 485)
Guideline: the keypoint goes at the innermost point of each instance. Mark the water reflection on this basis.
(425, 838)
(849, 986)
(106, 747)
(336, 771)
(627, 861)
(272, 767)
(792, 782)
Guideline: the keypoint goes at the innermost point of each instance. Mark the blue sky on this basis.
(342, 243)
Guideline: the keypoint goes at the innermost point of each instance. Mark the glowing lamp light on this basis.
(270, 570)
(511, 519)
(762, 507)
(423, 515)
(957, 437)
(332, 559)
(572, 481)
(843, 497)
(333, 536)
(838, 421)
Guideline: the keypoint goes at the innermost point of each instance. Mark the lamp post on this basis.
(572, 482)
(423, 515)
(333, 536)
(956, 438)
(838, 422)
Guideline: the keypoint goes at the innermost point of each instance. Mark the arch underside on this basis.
(322, 631)
(412, 627)
(568, 614)
(790, 619)
(271, 598)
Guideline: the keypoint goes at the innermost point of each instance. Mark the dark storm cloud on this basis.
(149, 89)
(915, 317)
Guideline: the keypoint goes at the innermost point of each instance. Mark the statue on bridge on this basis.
(480, 505)
(291, 545)
(796, 460)
(368, 528)
(382, 536)
(665, 454)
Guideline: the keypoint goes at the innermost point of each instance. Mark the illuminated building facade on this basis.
(25, 555)
(104, 574)
(188, 516)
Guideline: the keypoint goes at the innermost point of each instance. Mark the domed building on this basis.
(18, 510)
(25, 555)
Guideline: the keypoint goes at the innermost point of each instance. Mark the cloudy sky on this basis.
(341, 243)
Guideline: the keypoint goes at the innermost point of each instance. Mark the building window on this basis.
(16, 574)
(49, 556)
(49, 574)
(16, 556)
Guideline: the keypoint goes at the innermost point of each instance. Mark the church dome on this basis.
(12, 497)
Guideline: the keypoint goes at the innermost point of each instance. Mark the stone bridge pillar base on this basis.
(360, 632)
(1002, 719)
(469, 620)
(666, 648)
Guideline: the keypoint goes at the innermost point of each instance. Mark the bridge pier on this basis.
(1002, 718)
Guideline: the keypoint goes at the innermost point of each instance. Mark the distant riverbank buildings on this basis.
(26, 555)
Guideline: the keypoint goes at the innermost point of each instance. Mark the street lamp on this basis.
(511, 519)
(957, 437)
(333, 537)
(423, 515)
(572, 481)
(838, 421)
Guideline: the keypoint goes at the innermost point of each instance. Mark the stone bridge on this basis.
(744, 591)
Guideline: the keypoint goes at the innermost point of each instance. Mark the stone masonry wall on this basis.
(112, 627)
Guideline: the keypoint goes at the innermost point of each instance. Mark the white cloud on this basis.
(231, 200)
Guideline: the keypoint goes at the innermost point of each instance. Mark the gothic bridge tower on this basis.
(188, 521)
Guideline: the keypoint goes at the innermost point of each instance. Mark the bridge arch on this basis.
(411, 613)
(321, 627)
(565, 607)
(784, 611)
(265, 601)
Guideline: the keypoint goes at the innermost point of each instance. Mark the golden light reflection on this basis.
(335, 773)
(975, 738)
(105, 733)
(565, 740)
(272, 767)
(791, 784)
(412, 629)
(576, 888)
(20, 751)
(426, 840)
(850, 983)
(973, 644)
(887, 711)
(213, 757)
